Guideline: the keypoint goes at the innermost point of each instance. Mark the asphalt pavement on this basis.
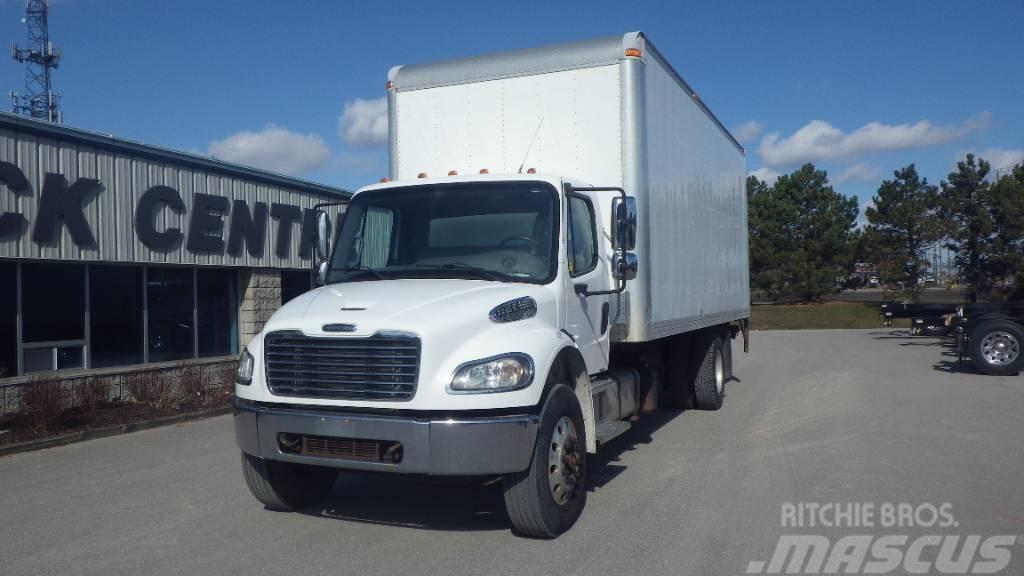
(845, 416)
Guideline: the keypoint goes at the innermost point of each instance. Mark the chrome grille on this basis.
(381, 367)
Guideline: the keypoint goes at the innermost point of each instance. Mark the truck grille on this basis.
(341, 448)
(374, 368)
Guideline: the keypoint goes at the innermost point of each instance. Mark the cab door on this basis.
(586, 317)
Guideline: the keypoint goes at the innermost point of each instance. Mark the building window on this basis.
(295, 283)
(169, 300)
(115, 315)
(8, 319)
(218, 331)
(53, 301)
(53, 316)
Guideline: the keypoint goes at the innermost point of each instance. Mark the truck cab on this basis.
(449, 309)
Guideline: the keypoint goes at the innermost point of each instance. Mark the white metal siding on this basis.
(490, 124)
(111, 213)
(697, 262)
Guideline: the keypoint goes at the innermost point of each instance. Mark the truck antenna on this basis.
(530, 147)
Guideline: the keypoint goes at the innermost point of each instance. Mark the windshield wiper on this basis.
(479, 272)
(372, 271)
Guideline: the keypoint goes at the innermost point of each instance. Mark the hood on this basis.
(414, 305)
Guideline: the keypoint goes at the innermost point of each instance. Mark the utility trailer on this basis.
(990, 335)
(560, 248)
(890, 311)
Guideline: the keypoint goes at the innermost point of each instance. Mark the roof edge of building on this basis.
(17, 123)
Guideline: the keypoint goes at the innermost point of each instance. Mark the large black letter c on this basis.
(145, 217)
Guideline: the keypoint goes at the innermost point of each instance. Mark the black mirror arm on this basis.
(581, 290)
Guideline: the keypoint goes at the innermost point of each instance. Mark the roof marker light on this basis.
(453, 172)
(633, 52)
(485, 171)
(421, 175)
(384, 179)
(389, 85)
(531, 171)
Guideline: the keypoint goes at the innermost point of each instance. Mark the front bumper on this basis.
(442, 446)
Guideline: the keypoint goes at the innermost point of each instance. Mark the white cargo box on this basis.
(608, 112)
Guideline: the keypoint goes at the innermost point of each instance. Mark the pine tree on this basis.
(1007, 194)
(904, 223)
(967, 205)
(802, 234)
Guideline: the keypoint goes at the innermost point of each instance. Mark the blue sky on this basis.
(860, 88)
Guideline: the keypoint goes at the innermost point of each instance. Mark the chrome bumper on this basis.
(449, 446)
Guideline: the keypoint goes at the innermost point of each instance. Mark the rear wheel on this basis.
(286, 486)
(697, 373)
(548, 498)
(995, 347)
(709, 384)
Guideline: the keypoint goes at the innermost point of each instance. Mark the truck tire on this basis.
(548, 497)
(995, 347)
(285, 486)
(709, 382)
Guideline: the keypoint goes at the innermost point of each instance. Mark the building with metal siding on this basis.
(116, 254)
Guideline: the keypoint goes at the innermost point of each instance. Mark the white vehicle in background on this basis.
(562, 248)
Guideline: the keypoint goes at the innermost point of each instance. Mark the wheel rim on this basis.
(565, 461)
(719, 372)
(1000, 348)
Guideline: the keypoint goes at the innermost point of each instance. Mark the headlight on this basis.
(498, 374)
(245, 364)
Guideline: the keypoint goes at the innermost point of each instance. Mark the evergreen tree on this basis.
(802, 234)
(967, 205)
(904, 223)
(1007, 194)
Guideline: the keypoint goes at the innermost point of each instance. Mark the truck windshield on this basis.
(496, 231)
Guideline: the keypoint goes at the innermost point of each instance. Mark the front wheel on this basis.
(995, 347)
(286, 486)
(548, 498)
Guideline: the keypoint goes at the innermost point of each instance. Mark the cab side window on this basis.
(373, 245)
(582, 241)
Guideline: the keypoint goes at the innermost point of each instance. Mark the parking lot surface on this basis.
(847, 416)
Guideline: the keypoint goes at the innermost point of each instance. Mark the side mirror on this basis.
(624, 266)
(323, 235)
(321, 272)
(624, 223)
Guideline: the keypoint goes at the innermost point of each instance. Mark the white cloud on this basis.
(1001, 158)
(748, 131)
(364, 122)
(819, 140)
(862, 218)
(861, 172)
(766, 175)
(273, 148)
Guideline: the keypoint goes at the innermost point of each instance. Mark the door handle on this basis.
(604, 318)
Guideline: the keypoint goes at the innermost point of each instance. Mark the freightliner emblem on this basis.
(339, 327)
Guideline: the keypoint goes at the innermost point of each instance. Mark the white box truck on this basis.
(560, 248)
